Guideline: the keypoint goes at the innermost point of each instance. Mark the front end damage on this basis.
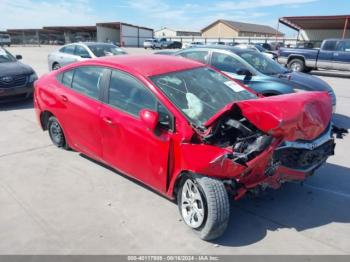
(266, 142)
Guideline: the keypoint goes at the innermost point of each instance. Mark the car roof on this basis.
(232, 49)
(149, 65)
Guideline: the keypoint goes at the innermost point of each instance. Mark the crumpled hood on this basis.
(14, 68)
(292, 116)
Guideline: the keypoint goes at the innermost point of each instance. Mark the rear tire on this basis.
(56, 133)
(296, 65)
(204, 205)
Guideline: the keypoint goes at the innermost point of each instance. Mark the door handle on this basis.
(64, 98)
(108, 121)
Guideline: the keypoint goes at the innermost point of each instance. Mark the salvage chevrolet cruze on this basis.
(185, 129)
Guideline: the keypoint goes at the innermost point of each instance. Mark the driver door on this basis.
(128, 145)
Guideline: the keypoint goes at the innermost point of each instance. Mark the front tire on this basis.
(56, 66)
(204, 205)
(56, 133)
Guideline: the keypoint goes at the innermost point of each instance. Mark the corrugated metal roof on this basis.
(246, 27)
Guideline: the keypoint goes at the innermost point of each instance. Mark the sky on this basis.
(177, 14)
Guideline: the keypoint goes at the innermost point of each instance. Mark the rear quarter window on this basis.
(66, 78)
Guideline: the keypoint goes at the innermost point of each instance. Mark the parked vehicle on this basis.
(217, 43)
(192, 44)
(254, 70)
(175, 45)
(5, 39)
(266, 46)
(260, 49)
(81, 51)
(232, 44)
(334, 54)
(276, 45)
(185, 130)
(16, 79)
(165, 43)
(151, 43)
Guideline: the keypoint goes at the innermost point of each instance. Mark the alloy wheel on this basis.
(192, 206)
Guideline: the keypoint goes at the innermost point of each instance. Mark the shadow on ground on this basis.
(294, 205)
(323, 199)
(24, 104)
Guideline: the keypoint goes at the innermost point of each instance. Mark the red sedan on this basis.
(184, 129)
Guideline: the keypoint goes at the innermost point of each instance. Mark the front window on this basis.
(262, 63)
(6, 56)
(106, 50)
(200, 93)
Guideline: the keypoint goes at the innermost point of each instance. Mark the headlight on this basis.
(33, 77)
(297, 90)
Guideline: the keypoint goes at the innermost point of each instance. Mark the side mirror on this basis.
(244, 72)
(19, 57)
(150, 118)
(85, 56)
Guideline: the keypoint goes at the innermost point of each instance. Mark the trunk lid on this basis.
(293, 116)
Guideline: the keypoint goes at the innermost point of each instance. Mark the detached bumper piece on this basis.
(304, 159)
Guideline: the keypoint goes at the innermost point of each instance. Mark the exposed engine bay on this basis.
(236, 132)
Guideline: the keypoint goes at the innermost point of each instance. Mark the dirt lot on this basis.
(58, 202)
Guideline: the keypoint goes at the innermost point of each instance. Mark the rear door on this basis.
(80, 108)
(342, 55)
(128, 145)
(325, 57)
(67, 55)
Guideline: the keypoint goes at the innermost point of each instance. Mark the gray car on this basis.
(253, 69)
(81, 51)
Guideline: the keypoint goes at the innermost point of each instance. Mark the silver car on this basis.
(81, 51)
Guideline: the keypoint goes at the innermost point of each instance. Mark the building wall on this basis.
(134, 36)
(220, 30)
(187, 33)
(165, 32)
(320, 35)
(144, 34)
(106, 33)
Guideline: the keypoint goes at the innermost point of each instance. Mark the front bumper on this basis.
(16, 93)
(305, 156)
(292, 161)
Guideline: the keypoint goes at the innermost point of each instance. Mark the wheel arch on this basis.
(291, 57)
(44, 118)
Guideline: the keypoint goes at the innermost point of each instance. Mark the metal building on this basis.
(123, 33)
(318, 28)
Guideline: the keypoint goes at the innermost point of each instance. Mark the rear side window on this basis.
(344, 46)
(87, 80)
(67, 78)
(329, 45)
(200, 56)
(129, 95)
(82, 52)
